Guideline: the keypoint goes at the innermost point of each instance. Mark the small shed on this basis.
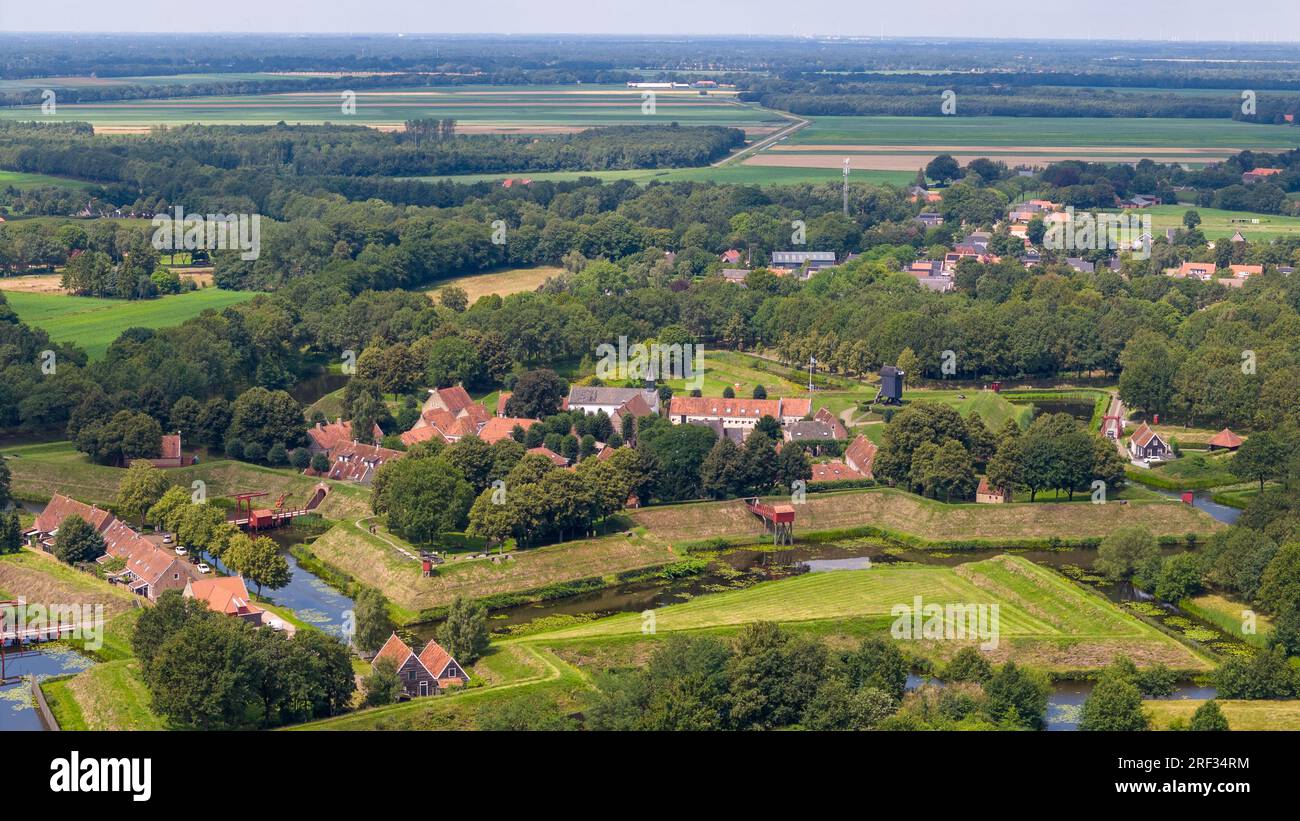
(1224, 440)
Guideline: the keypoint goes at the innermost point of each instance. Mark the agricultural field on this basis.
(738, 173)
(1241, 715)
(93, 324)
(1044, 619)
(924, 522)
(477, 109)
(373, 561)
(908, 143)
(23, 181)
(500, 283)
(9, 86)
(1218, 224)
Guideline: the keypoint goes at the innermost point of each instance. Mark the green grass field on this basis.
(1241, 715)
(1045, 131)
(1044, 618)
(92, 323)
(520, 109)
(1230, 617)
(1217, 224)
(108, 696)
(22, 181)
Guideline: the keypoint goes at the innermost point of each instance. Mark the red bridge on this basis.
(777, 519)
(266, 518)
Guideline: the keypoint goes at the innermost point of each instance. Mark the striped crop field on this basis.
(1043, 617)
(478, 109)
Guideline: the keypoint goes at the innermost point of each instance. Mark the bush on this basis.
(234, 449)
(320, 463)
(278, 455)
(253, 452)
(300, 458)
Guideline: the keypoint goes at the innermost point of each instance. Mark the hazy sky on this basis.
(1151, 20)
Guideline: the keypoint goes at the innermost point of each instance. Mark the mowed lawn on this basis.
(370, 560)
(924, 521)
(1219, 224)
(108, 696)
(93, 324)
(1043, 618)
(23, 181)
(1241, 715)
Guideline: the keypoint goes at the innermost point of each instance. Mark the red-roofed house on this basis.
(556, 458)
(228, 595)
(1196, 270)
(425, 674)
(323, 438)
(736, 413)
(499, 427)
(149, 571)
(988, 495)
(46, 526)
(1260, 174)
(861, 455)
(826, 417)
(355, 462)
(454, 400)
(833, 471)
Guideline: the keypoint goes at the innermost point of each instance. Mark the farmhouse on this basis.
(46, 527)
(1259, 174)
(355, 462)
(1224, 440)
(428, 673)
(861, 455)
(324, 437)
(228, 595)
(987, 495)
(149, 571)
(591, 400)
(1147, 444)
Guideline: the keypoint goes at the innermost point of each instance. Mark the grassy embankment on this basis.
(1230, 617)
(41, 470)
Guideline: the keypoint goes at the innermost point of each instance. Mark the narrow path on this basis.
(381, 537)
(796, 123)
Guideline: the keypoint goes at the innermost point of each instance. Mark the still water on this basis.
(17, 712)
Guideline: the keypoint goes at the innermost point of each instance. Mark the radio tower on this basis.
(846, 186)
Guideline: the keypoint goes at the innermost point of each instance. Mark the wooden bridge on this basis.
(246, 516)
(15, 642)
(777, 519)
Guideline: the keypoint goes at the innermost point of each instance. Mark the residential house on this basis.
(731, 256)
(833, 471)
(1244, 271)
(825, 416)
(987, 495)
(592, 400)
(1081, 265)
(1198, 270)
(46, 527)
(428, 673)
(148, 570)
(500, 427)
(1260, 174)
(808, 430)
(930, 219)
(355, 462)
(736, 276)
(556, 459)
(1146, 444)
(324, 437)
(228, 595)
(861, 455)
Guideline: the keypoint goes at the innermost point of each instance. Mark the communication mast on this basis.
(846, 186)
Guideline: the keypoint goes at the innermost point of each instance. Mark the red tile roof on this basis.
(394, 649)
(1143, 435)
(328, 436)
(798, 406)
(984, 489)
(860, 455)
(833, 471)
(710, 406)
(455, 399)
(415, 435)
(435, 659)
(550, 454)
(224, 594)
(61, 507)
(1226, 439)
(502, 399)
(499, 427)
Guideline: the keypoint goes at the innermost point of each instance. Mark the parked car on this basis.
(203, 567)
(180, 550)
(167, 538)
